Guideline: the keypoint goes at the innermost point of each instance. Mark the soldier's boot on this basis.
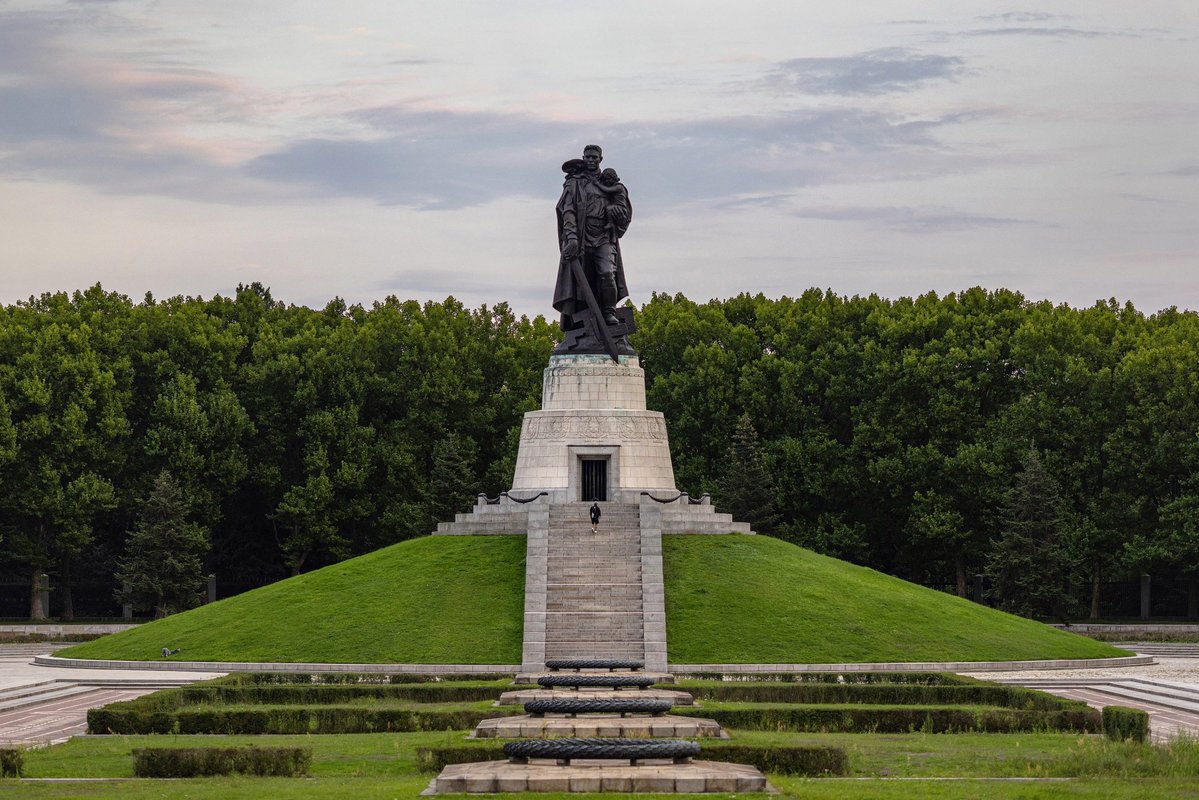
(607, 299)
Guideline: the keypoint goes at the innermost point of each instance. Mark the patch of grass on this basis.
(882, 766)
(729, 599)
(434, 600)
(754, 599)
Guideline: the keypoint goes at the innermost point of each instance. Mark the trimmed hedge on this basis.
(322, 719)
(806, 760)
(325, 694)
(923, 678)
(884, 694)
(197, 762)
(810, 760)
(899, 720)
(435, 759)
(12, 763)
(1123, 724)
(367, 678)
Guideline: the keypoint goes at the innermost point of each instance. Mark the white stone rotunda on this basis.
(598, 596)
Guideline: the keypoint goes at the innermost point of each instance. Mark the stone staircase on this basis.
(594, 595)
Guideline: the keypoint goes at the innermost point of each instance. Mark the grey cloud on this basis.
(871, 73)
(1186, 171)
(449, 160)
(51, 110)
(62, 121)
(921, 219)
(1020, 16)
(1054, 33)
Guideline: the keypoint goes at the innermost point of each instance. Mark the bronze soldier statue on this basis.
(593, 214)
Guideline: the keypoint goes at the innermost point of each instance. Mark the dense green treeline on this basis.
(298, 437)
(1050, 448)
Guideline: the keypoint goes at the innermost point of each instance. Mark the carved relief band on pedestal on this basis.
(607, 371)
(622, 428)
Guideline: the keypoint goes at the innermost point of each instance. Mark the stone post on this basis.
(44, 591)
(1144, 596)
(126, 608)
(211, 589)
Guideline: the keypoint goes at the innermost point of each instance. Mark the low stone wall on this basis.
(66, 629)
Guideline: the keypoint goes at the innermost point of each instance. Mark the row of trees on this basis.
(932, 438)
(939, 437)
(296, 437)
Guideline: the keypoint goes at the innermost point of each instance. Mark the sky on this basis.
(365, 149)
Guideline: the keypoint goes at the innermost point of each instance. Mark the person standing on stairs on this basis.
(595, 516)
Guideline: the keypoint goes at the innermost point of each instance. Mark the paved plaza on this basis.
(42, 705)
(45, 705)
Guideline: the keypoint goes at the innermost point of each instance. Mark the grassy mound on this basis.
(460, 600)
(753, 599)
(434, 600)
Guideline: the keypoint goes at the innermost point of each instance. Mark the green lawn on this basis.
(433, 600)
(754, 599)
(459, 600)
(883, 766)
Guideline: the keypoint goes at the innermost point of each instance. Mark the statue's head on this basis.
(609, 177)
(592, 156)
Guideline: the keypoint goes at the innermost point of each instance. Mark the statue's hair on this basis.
(596, 148)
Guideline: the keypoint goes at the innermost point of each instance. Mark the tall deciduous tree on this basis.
(67, 411)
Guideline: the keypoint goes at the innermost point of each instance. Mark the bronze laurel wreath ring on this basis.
(613, 705)
(601, 748)
(578, 680)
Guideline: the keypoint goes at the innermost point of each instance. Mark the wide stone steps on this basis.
(23, 696)
(594, 584)
(605, 573)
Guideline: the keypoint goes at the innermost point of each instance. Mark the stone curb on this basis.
(242, 666)
(466, 669)
(924, 666)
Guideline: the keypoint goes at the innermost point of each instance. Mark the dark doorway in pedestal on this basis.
(595, 479)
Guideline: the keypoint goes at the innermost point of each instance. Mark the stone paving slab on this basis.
(57, 720)
(527, 678)
(667, 726)
(921, 666)
(487, 777)
(521, 696)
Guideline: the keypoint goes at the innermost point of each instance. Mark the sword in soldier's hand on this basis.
(597, 317)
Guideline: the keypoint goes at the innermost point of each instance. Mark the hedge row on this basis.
(217, 694)
(339, 678)
(807, 760)
(922, 678)
(195, 762)
(123, 719)
(325, 695)
(901, 720)
(12, 763)
(884, 694)
(1123, 724)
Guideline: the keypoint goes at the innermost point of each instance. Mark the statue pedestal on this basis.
(593, 437)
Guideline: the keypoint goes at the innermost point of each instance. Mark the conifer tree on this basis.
(452, 482)
(746, 489)
(1029, 565)
(163, 564)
